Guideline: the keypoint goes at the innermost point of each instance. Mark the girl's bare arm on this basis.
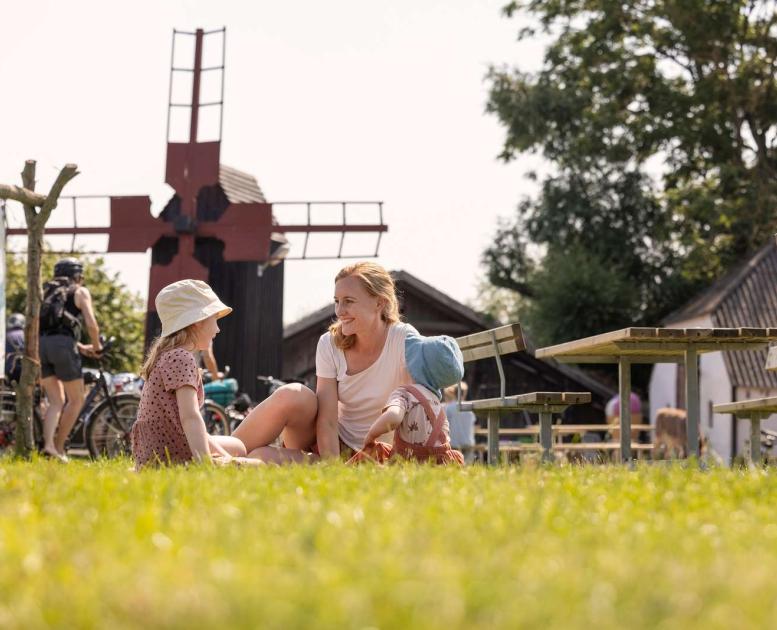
(192, 422)
(388, 421)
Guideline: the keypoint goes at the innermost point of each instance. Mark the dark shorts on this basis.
(59, 357)
(346, 452)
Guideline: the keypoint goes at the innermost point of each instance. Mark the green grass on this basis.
(96, 545)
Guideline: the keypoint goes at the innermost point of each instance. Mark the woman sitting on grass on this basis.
(170, 428)
(415, 412)
(359, 362)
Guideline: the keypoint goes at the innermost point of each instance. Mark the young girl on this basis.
(416, 411)
(170, 428)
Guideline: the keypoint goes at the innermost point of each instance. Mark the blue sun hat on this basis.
(434, 362)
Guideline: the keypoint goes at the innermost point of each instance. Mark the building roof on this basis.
(239, 187)
(477, 320)
(744, 297)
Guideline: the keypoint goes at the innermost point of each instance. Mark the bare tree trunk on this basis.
(25, 388)
(36, 223)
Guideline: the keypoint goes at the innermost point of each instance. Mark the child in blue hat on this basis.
(415, 412)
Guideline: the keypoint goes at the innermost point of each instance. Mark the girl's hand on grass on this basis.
(246, 461)
(369, 442)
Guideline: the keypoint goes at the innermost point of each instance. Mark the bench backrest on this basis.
(491, 343)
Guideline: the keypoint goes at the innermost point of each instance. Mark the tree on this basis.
(119, 312)
(625, 85)
(36, 222)
(600, 221)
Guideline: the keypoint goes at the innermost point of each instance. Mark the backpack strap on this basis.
(436, 422)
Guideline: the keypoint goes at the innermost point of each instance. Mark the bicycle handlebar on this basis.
(108, 344)
(270, 380)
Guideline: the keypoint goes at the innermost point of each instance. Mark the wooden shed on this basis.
(746, 296)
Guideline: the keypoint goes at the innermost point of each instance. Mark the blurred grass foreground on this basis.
(95, 545)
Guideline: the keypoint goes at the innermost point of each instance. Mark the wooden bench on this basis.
(559, 430)
(567, 429)
(494, 344)
(755, 410)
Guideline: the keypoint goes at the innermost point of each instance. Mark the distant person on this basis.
(14, 347)
(207, 360)
(612, 411)
(66, 308)
(462, 423)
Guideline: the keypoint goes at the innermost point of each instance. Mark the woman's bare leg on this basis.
(230, 444)
(277, 455)
(55, 394)
(291, 411)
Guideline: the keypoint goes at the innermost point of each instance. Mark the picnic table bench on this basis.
(755, 410)
(658, 345)
(494, 344)
(559, 430)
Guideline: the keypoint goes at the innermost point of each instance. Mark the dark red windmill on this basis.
(218, 227)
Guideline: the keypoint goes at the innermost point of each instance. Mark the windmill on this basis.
(218, 227)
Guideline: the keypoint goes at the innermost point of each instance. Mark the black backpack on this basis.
(54, 317)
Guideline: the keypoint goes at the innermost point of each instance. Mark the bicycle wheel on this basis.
(215, 416)
(108, 433)
(7, 421)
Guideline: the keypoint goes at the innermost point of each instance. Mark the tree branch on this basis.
(20, 194)
(65, 175)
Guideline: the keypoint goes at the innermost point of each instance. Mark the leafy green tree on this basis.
(689, 84)
(119, 312)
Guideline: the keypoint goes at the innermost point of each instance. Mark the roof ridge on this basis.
(709, 299)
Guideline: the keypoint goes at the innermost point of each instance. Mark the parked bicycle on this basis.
(103, 425)
(224, 408)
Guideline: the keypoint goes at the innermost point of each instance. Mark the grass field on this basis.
(96, 545)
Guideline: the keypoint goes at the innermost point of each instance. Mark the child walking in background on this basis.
(169, 428)
(415, 412)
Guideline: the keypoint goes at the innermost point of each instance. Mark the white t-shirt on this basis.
(361, 397)
(462, 425)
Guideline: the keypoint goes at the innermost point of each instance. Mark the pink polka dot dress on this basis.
(157, 435)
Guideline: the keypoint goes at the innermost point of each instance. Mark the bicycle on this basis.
(103, 424)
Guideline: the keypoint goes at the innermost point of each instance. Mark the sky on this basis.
(343, 100)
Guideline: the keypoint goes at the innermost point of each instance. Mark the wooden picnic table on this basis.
(658, 345)
(754, 410)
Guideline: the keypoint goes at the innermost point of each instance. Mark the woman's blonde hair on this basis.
(379, 284)
(179, 339)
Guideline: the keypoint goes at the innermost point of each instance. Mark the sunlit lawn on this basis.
(96, 545)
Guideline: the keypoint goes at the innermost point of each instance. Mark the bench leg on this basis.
(493, 438)
(546, 435)
(624, 386)
(755, 439)
(692, 400)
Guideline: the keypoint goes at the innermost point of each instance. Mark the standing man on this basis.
(66, 307)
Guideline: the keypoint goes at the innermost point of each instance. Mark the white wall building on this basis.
(746, 297)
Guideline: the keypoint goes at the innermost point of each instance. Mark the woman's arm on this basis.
(388, 421)
(192, 422)
(326, 421)
(83, 302)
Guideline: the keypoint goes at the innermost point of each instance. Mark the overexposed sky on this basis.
(343, 100)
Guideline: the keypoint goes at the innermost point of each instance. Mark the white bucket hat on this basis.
(186, 302)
